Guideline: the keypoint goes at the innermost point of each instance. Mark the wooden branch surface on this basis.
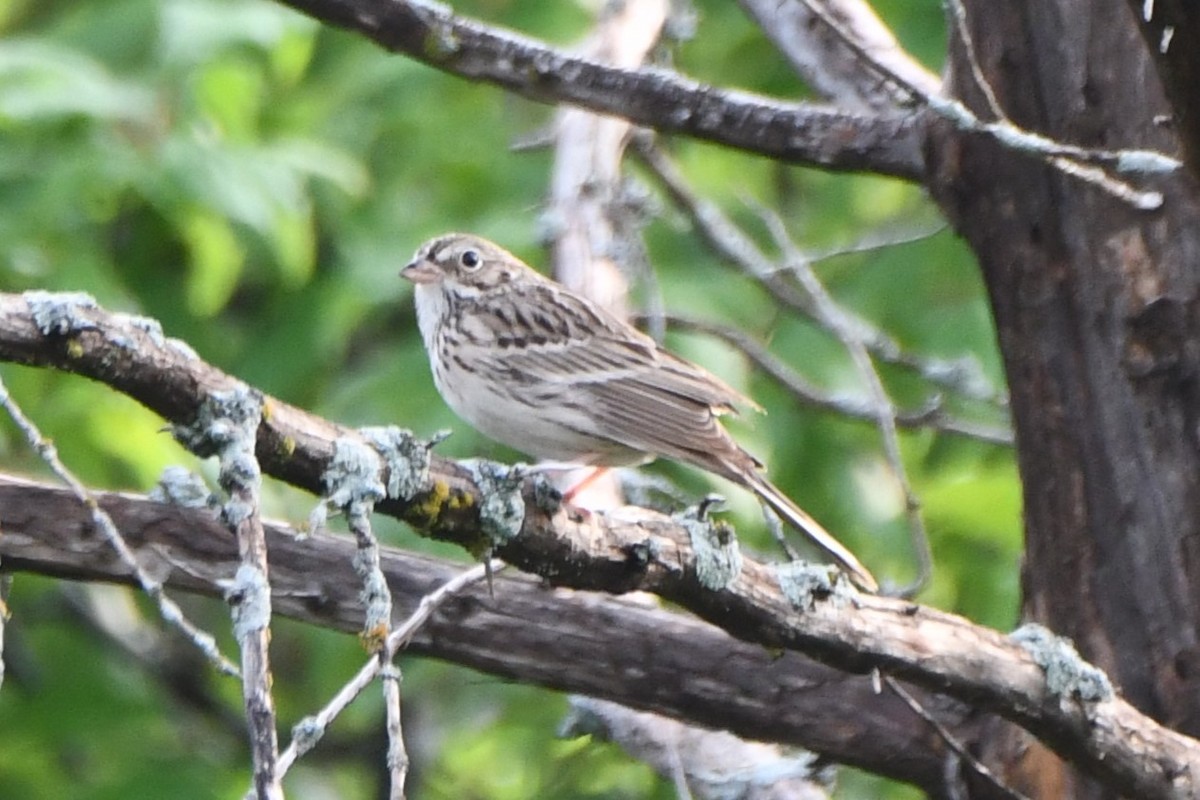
(622, 650)
(822, 59)
(1171, 29)
(635, 549)
(657, 98)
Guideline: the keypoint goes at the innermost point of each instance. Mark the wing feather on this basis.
(558, 349)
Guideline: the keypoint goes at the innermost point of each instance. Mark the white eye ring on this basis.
(470, 259)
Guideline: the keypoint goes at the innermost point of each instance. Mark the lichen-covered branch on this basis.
(225, 427)
(522, 631)
(773, 606)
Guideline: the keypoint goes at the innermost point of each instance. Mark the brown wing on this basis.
(560, 348)
(658, 413)
(551, 336)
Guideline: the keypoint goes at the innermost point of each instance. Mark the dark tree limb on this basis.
(1096, 312)
(642, 550)
(887, 144)
(1171, 29)
(526, 632)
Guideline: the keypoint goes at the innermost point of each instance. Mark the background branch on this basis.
(822, 59)
(933, 415)
(658, 98)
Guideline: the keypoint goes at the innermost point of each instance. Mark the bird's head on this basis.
(465, 264)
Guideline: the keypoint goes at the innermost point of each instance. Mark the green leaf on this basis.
(215, 262)
(39, 79)
(193, 31)
(294, 246)
(230, 94)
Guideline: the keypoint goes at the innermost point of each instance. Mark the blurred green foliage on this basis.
(255, 182)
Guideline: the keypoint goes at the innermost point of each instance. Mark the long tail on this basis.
(801, 521)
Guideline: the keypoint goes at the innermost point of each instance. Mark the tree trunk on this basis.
(1096, 310)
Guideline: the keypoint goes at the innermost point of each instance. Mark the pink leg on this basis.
(588, 480)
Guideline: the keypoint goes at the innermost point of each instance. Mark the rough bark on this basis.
(643, 550)
(523, 631)
(654, 97)
(1096, 310)
(1171, 29)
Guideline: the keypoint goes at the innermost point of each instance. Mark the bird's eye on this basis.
(470, 259)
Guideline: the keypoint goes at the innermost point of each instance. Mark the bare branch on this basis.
(824, 61)
(956, 14)
(887, 144)
(590, 231)
(691, 670)
(950, 739)
(586, 180)
(524, 632)
(733, 246)
(848, 331)
(709, 765)
(309, 730)
(932, 415)
(776, 606)
(168, 609)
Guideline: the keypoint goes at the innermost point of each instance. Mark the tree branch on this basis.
(524, 631)
(824, 61)
(1171, 29)
(431, 33)
(635, 549)
(933, 414)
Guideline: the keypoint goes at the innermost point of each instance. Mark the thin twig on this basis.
(958, 17)
(378, 599)
(951, 740)
(730, 244)
(310, 730)
(931, 415)
(397, 754)
(227, 426)
(876, 240)
(775, 528)
(170, 612)
(824, 64)
(831, 316)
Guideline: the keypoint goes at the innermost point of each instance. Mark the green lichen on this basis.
(717, 558)
(1067, 674)
(804, 584)
(441, 42)
(501, 506)
(429, 505)
(460, 501)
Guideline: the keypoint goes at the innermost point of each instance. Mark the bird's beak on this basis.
(422, 271)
